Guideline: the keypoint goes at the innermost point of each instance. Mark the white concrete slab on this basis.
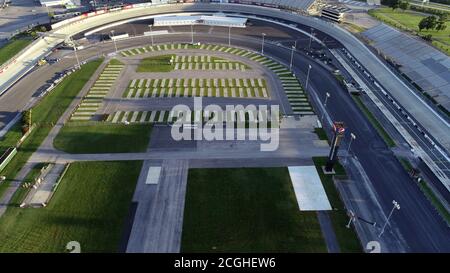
(153, 175)
(308, 188)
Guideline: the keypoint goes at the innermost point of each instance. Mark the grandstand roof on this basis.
(426, 66)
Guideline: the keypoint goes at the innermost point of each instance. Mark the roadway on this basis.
(436, 125)
(414, 131)
(20, 16)
(418, 223)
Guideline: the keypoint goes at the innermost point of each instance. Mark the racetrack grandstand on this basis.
(294, 5)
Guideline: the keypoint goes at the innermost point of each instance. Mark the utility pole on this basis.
(396, 206)
(151, 32)
(114, 40)
(192, 34)
(352, 218)
(292, 57)
(75, 51)
(327, 95)
(310, 38)
(352, 137)
(262, 44)
(229, 35)
(307, 78)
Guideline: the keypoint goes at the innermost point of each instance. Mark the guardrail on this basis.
(6, 157)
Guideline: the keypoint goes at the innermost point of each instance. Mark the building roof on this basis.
(426, 66)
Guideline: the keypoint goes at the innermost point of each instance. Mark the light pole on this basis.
(292, 58)
(114, 40)
(262, 44)
(352, 218)
(352, 137)
(327, 95)
(75, 51)
(396, 206)
(310, 38)
(151, 33)
(229, 36)
(307, 78)
(192, 34)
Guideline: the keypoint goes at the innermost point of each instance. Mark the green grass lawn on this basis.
(156, 64)
(90, 207)
(46, 113)
(22, 192)
(11, 138)
(246, 210)
(347, 238)
(104, 138)
(12, 48)
(115, 62)
(321, 134)
(409, 20)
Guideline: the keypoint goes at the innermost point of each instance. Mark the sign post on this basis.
(339, 130)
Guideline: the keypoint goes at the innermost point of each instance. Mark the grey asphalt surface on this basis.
(165, 221)
(421, 227)
(408, 124)
(328, 232)
(20, 15)
(293, 144)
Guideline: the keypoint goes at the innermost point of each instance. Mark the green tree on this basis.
(26, 118)
(441, 25)
(404, 5)
(442, 22)
(427, 23)
(394, 4)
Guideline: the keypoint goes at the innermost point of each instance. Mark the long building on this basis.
(222, 21)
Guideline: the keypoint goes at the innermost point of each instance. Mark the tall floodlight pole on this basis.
(75, 51)
(262, 43)
(192, 34)
(292, 57)
(396, 206)
(229, 35)
(352, 137)
(310, 38)
(352, 218)
(307, 78)
(151, 32)
(327, 95)
(114, 40)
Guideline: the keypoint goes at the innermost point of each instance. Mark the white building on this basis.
(53, 3)
(222, 21)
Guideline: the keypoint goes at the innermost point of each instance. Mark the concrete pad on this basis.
(153, 175)
(308, 188)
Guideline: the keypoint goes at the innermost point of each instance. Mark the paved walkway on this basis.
(44, 192)
(328, 232)
(158, 222)
(14, 185)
